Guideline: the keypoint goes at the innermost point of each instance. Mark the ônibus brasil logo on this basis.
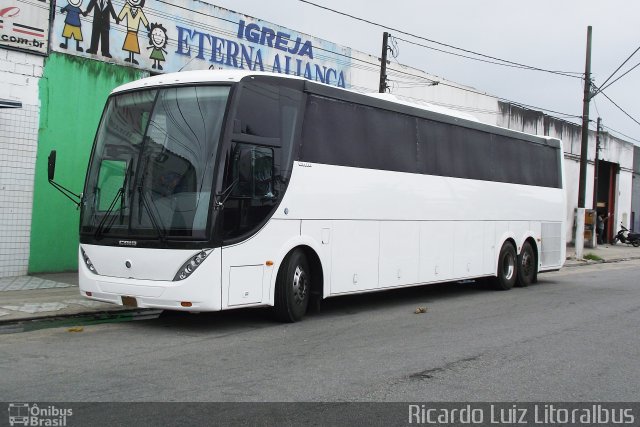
(25, 414)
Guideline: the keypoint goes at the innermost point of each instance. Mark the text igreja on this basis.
(224, 52)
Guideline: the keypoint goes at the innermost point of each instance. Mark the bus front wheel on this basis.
(507, 273)
(293, 287)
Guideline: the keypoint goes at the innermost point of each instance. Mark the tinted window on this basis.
(348, 134)
(448, 150)
(258, 113)
(258, 161)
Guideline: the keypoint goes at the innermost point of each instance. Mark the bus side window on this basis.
(253, 170)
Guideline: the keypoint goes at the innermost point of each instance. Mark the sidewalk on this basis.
(56, 295)
(26, 298)
(605, 253)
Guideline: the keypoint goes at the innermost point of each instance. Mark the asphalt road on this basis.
(571, 337)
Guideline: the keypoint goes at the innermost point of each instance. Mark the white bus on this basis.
(214, 190)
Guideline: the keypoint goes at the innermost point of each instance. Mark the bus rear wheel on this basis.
(507, 273)
(293, 288)
(526, 266)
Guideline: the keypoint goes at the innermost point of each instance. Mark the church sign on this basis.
(162, 37)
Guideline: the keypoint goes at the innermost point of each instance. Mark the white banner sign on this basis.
(24, 24)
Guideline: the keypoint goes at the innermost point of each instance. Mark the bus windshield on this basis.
(151, 174)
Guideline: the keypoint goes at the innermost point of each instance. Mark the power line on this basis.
(618, 69)
(437, 42)
(627, 72)
(620, 133)
(503, 64)
(484, 94)
(619, 107)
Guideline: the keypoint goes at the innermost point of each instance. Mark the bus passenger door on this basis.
(247, 202)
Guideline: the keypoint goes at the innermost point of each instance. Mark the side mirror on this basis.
(51, 173)
(52, 164)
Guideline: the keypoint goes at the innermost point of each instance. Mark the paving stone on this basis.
(25, 283)
(85, 303)
(33, 308)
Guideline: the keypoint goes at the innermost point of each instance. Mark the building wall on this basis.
(19, 76)
(635, 196)
(72, 92)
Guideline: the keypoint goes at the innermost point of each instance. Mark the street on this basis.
(573, 336)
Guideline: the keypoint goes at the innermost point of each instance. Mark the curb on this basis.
(83, 318)
(583, 262)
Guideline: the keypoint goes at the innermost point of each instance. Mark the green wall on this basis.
(72, 95)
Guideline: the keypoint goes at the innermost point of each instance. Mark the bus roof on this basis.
(235, 76)
(197, 76)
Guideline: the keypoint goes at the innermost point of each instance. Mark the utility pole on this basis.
(595, 165)
(383, 64)
(582, 190)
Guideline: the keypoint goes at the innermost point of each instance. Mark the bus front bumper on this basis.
(199, 292)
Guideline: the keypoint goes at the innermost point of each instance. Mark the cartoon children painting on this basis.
(72, 25)
(134, 15)
(158, 41)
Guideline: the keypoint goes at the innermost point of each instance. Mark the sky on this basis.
(548, 34)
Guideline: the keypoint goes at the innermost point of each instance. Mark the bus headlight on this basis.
(88, 262)
(190, 266)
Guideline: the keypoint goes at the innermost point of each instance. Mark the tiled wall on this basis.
(19, 77)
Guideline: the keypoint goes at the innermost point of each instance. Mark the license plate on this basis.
(129, 301)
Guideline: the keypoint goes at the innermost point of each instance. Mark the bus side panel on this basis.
(321, 231)
(520, 230)
(553, 245)
(436, 251)
(502, 234)
(246, 277)
(489, 253)
(354, 256)
(399, 253)
(468, 249)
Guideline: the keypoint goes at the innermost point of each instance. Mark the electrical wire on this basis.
(395, 49)
(564, 73)
(618, 69)
(619, 107)
(391, 71)
(620, 133)
(595, 104)
(625, 73)
(487, 61)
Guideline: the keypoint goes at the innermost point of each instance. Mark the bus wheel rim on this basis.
(508, 266)
(526, 263)
(299, 285)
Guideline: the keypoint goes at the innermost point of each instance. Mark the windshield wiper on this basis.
(119, 194)
(125, 190)
(101, 225)
(152, 217)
